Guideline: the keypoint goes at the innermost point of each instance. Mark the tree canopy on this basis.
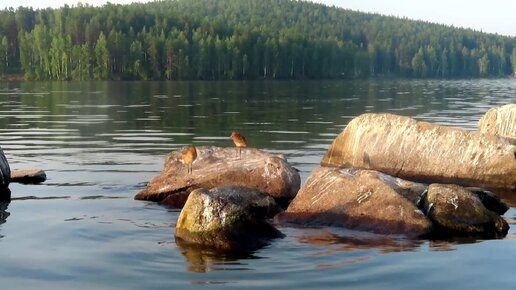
(239, 39)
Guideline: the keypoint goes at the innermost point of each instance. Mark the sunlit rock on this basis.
(425, 152)
(216, 167)
(500, 121)
(228, 218)
(27, 176)
(358, 199)
(459, 210)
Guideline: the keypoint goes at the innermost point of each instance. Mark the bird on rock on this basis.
(188, 155)
(239, 141)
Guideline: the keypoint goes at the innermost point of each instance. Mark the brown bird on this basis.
(188, 155)
(239, 141)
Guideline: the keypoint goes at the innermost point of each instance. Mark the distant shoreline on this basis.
(12, 77)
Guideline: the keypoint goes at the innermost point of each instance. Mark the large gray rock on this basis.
(500, 122)
(459, 210)
(425, 152)
(217, 167)
(358, 199)
(229, 218)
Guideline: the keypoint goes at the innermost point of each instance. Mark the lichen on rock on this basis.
(227, 218)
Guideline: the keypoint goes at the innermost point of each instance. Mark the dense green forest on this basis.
(239, 39)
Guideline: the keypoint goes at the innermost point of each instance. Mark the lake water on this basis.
(100, 142)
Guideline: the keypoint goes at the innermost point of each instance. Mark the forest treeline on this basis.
(239, 39)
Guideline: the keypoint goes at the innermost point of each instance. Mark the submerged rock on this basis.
(32, 176)
(358, 199)
(216, 167)
(457, 209)
(229, 218)
(500, 122)
(425, 152)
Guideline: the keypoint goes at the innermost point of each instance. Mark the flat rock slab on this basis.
(32, 176)
(227, 218)
(424, 152)
(362, 200)
(218, 167)
(499, 121)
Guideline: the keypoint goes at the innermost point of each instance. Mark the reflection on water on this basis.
(4, 214)
(347, 240)
(202, 259)
(100, 142)
(507, 196)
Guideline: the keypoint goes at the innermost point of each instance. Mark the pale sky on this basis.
(494, 16)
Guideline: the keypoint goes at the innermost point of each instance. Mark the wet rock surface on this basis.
(227, 218)
(358, 199)
(459, 210)
(217, 167)
(424, 152)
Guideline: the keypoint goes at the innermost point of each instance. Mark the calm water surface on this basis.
(100, 142)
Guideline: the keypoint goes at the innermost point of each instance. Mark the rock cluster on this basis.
(227, 199)
(359, 199)
(372, 201)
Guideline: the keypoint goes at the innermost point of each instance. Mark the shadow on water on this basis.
(201, 259)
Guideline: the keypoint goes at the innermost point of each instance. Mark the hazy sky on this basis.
(496, 16)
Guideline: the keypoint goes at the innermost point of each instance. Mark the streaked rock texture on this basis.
(425, 152)
(358, 199)
(228, 218)
(217, 167)
(500, 121)
(457, 209)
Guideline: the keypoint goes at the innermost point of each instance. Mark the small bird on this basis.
(188, 155)
(239, 141)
